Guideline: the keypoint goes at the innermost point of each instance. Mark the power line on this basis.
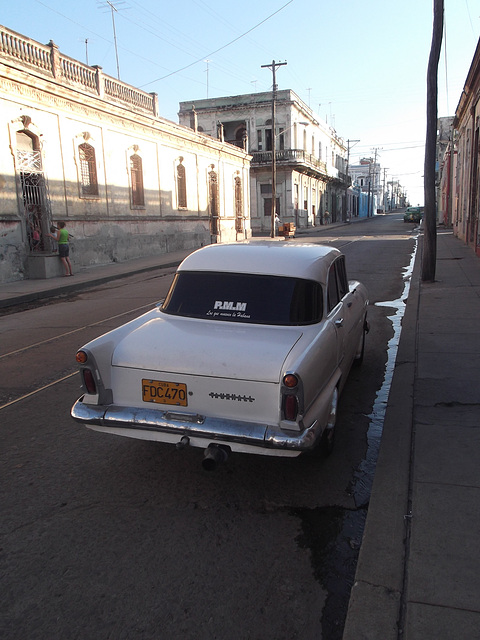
(220, 48)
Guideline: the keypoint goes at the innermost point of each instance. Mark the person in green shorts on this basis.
(63, 248)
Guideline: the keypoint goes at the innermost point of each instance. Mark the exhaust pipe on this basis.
(183, 443)
(214, 455)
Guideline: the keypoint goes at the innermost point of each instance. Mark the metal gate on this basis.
(35, 200)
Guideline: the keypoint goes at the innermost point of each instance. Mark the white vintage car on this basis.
(248, 353)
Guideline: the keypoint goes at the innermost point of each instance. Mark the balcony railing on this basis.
(46, 60)
(290, 156)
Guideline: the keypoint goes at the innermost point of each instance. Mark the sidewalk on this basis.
(418, 574)
(25, 291)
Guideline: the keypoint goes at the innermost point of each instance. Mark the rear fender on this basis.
(319, 410)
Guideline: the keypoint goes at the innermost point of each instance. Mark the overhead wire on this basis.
(228, 44)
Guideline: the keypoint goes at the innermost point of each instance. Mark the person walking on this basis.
(277, 224)
(63, 247)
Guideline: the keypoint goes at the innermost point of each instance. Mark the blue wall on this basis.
(363, 202)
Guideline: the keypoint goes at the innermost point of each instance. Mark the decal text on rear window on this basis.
(230, 306)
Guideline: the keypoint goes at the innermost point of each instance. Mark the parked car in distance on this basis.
(249, 352)
(413, 214)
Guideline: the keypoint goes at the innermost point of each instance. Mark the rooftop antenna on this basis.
(86, 42)
(114, 10)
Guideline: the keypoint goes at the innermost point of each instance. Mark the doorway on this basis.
(35, 202)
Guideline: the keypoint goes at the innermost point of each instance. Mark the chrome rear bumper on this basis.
(195, 426)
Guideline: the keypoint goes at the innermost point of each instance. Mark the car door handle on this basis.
(339, 322)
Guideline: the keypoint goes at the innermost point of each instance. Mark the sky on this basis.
(359, 66)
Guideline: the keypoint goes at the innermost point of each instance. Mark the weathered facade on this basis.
(458, 162)
(443, 170)
(86, 148)
(464, 191)
(311, 180)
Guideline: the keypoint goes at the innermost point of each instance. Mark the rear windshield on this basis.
(234, 297)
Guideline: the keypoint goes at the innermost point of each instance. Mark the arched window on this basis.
(136, 175)
(213, 201)
(88, 170)
(238, 205)
(181, 186)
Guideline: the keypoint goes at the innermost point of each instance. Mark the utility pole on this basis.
(384, 190)
(429, 257)
(207, 61)
(349, 144)
(369, 187)
(273, 67)
(374, 177)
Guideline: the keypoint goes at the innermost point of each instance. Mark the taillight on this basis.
(290, 380)
(89, 381)
(291, 393)
(290, 407)
(81, 357)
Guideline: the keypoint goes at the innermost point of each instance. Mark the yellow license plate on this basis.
(164, 392)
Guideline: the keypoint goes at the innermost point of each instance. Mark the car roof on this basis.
(266, 257)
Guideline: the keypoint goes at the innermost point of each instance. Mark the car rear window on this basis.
(246, 298)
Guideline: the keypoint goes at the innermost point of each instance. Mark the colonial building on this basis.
(443, 170)
(458, 162)
(310, 167)
(465, 187)
(80, 146)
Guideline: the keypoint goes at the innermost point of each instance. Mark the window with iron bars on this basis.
(213, 201)
(181, 187)
(238, 205)
(88, 170)
(136, 172)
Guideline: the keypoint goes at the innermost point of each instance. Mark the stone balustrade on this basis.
(47, 60)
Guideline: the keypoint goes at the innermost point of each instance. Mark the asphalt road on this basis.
(105, 537)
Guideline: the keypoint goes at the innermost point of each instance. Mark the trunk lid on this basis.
(208, 348)
(225, 371)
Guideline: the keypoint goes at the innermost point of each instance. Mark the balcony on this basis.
(345, 179)
(297, 158)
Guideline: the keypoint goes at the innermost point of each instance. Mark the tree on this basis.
(430, 212)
